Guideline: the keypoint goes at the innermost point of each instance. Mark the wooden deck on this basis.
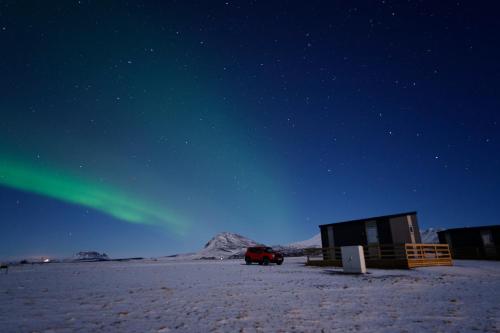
(419, 255)
(387, 256)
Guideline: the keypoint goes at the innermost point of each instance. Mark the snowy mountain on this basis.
(313, 242)
(227, 241)
(224, 245)
(430, 236)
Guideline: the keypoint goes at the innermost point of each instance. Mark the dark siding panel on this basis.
(466, 238)
(400, 230)
(469, 237)
(348, 234)
(495, 233)
(324, 237)
(384, 231)
(442, 237)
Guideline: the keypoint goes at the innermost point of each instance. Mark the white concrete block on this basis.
(353, 259)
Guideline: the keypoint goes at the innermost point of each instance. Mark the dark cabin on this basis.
(380, 230)
(389, 241)
(473, 242)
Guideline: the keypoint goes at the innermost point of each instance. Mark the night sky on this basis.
(142, 129)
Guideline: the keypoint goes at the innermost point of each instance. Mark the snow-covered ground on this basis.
(228, 296)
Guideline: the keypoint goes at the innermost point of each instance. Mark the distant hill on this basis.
(430, 236)
(314, 242)
(90, 256)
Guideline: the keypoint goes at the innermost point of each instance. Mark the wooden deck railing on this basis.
(387, 255)
(428, 255)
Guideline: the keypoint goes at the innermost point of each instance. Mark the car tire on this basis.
(248, 261)
(261, 262)
(265, 261)
(279, 262)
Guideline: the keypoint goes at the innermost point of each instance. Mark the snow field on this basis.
(229, 296)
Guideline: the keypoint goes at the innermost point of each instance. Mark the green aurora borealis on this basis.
(148, 136)
(75, 191)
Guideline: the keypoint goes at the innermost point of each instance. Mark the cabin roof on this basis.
(492, 226)
(371, 218)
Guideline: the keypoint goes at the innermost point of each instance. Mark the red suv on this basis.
(263, 255)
